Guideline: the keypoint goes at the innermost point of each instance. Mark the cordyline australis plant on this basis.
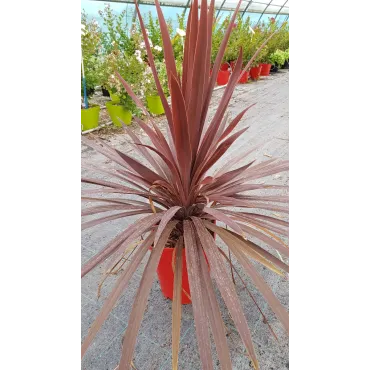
(180, 202)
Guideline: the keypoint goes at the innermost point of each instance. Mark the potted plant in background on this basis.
(257, 38)
(280, 41)
(286, 63)
(255, 70)
(233, 46)
(179, 198)
(90, 114)
(116, 36)
(178, 38)
(153, 100)
(132, 68)
(90, 45)
(218, 32)
(277, 58)
(265, 62)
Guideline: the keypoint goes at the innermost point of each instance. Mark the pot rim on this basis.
(91, 106)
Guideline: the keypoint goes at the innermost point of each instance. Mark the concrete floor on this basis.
(267, 120)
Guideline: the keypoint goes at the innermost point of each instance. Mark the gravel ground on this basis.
(267, 120)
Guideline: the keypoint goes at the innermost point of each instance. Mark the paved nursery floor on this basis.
(267, 120)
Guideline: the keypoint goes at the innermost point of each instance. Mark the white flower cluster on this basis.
(138, 56)
(180, 32)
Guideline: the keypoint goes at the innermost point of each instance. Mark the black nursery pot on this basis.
(90, 91)
(105, 92)
(286, 65)
(274, 68)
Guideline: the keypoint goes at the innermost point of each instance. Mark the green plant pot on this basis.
(90, 117)
(155, 104)
(117, 113)
(113, 97)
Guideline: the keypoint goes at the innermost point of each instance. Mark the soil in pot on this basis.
(265, 69)
(118, 113)
(90, 117)
(155, 104)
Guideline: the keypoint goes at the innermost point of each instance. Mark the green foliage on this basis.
(218, 33)
(277, 58)
(256, 38)
(105, 52)
(241, 37)
(286, 54)
(131, 69)
(154, 31)
(178, 40)
(150, 88)
(117, 32)
(281, 39)
(91, 46)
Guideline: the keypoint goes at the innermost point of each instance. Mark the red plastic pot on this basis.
(255, 72)
(223, 77)
(244, 78)
(265, 69)
(166, 275)
(232, 64)
(224, 66)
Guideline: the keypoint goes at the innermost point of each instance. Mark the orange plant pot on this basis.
(255, 72)
(166, 276)
(244, 78)
(265, 69)
(223, 77)
(224, 66)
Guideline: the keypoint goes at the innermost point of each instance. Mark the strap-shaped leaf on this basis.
(163, 98)
(166, 218)
(111, 207)
(118, 289)
(197, 292)
(231, 241)
(176, 303)
(215, 318)
(126, 237)
(141, 299)
(252, 250)
(181, 130)
(167, 45)
(218, 215)
(226, 287)
(101, 220)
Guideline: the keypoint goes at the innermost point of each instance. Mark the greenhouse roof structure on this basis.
(272, 7)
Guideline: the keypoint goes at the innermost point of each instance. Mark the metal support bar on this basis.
(246, 8)
(173, 5)
(281, 9)
(264, 12)
(187, 6)
(134, 15)
(220, 8)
